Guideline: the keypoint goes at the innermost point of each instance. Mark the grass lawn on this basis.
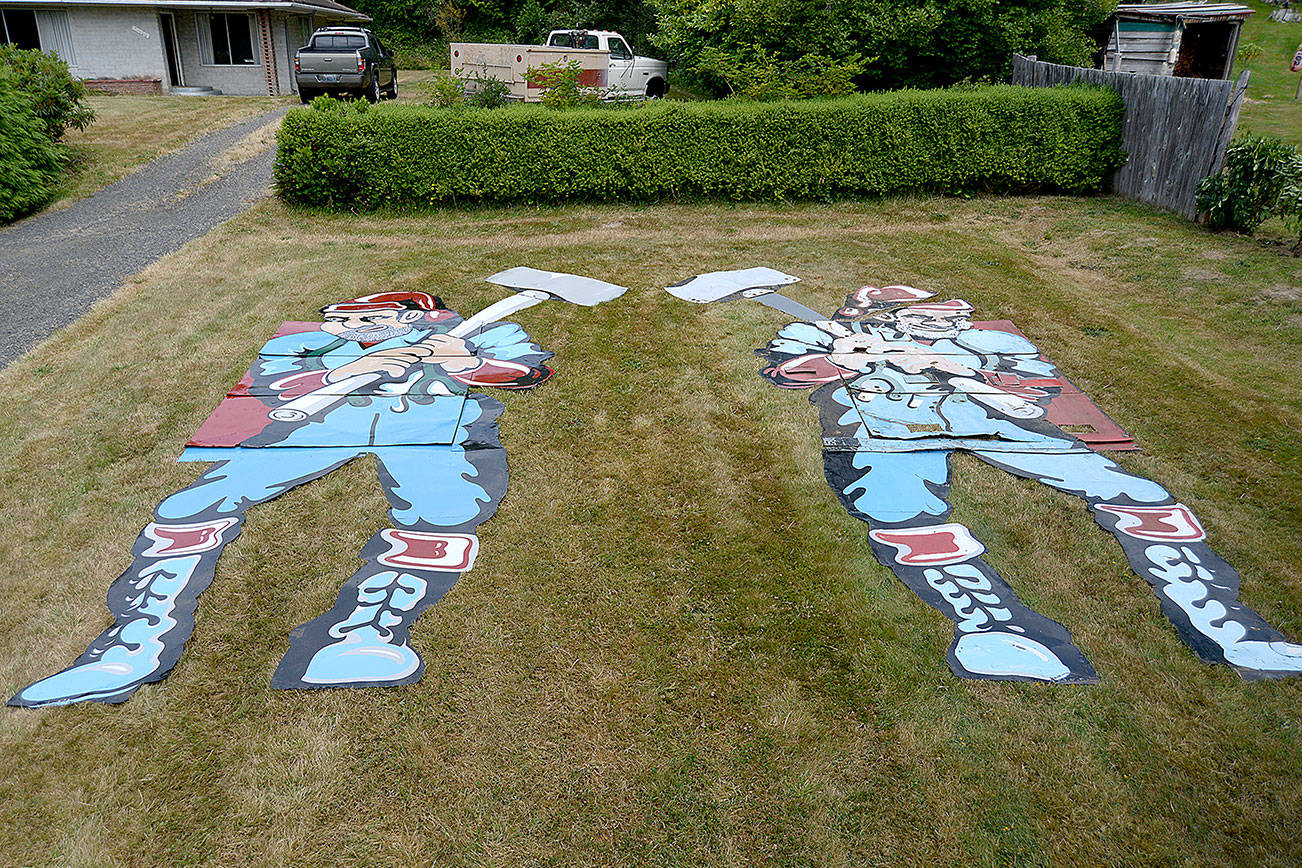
(675, 647)
(129, 131)
(1270, 108)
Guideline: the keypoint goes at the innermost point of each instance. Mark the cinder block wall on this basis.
(107, 46)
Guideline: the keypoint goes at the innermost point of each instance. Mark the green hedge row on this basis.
(998, 137)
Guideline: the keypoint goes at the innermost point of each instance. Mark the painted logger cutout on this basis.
(900, 383)
(387, 374)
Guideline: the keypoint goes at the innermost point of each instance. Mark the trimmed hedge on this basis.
(1002, 137)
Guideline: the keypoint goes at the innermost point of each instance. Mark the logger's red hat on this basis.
(874, 299)
(388, 301)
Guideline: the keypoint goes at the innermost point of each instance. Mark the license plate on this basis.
(329, 77)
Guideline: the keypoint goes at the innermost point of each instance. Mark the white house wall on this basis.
(117, 42)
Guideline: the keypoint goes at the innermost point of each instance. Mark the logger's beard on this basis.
(374, 334)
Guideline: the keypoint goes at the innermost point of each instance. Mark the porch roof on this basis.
(302, 7)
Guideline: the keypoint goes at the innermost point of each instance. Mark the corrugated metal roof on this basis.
(1194, 11)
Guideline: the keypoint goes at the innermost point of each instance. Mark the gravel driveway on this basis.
(54, 265)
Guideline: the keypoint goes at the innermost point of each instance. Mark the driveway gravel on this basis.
(54, 265)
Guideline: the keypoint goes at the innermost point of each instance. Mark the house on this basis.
(160, 46)
(1194, 40)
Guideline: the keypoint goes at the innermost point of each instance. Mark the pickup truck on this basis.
(339, 60)
(607, 64)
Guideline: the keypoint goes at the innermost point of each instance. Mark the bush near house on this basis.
(30, 162)
(1002, 138)
(56, 97)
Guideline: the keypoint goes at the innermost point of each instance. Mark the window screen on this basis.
(232, 39)
(18, 27)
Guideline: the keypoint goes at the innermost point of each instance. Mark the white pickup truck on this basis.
(606, 60)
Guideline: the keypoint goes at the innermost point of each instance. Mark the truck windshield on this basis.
(338, 42)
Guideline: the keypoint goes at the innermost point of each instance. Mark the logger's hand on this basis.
(448, 352)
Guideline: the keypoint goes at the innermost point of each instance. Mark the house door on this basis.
(167, 24)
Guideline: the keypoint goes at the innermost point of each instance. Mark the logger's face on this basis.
(370, 326)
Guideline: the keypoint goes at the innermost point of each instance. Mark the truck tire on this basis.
(373, 90)
(306, 95)
(393, 88)
(655, 88)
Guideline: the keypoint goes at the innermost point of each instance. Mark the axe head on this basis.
(568, 287)
(720, 285)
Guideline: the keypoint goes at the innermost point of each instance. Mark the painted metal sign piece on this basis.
(901, 382)
(387, 374)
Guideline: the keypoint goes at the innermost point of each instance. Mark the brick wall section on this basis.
(125, 85)
(268, 46)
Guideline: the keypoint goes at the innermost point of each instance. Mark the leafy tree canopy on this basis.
(768, 48)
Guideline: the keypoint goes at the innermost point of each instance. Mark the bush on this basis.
(560, 86)
(1247, 189)
(55, 95)
(1000, 137)
(444, 90)
(30, 162)
(1290, 198)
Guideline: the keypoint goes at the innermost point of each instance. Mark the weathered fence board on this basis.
(1175, 129)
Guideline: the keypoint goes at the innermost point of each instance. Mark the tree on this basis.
(807, 47)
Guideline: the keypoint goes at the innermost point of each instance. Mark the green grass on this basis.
(129, 131)
(675, 648)
(1270, 108)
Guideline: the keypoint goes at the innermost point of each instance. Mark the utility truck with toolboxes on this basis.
(606, 64)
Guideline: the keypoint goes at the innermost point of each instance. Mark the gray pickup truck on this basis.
(338, 60)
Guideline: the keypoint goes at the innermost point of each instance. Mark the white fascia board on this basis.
(198, 4)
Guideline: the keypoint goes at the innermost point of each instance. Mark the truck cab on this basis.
(345, 60)
(629, 76)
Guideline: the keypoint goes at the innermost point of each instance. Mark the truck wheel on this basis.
(306, 95)
(373, 92)
(655, 88)
(393, 89)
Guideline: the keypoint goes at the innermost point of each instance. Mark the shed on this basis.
(1191, 40)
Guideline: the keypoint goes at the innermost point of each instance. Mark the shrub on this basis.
(30, 162)
(1246, 190)
(488, 92)
(560, 86)
(444, 90)
(1000, 137)
(1290, 198)
(55, 95)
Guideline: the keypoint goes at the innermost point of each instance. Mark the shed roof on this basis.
(1182, 11)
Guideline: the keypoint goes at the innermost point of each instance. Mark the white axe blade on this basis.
(718, 285)
(573, 288)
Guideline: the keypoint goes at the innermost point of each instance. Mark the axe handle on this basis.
(790, 307)
(328, 397)
(525, 298)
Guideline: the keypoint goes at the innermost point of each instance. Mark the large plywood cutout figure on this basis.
(901, 382)
(386, 374)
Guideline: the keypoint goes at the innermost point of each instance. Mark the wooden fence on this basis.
(1175, 129)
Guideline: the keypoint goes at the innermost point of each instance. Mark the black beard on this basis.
(371, 335)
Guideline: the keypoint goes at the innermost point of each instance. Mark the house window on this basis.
(231, 39)
(18, 28)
